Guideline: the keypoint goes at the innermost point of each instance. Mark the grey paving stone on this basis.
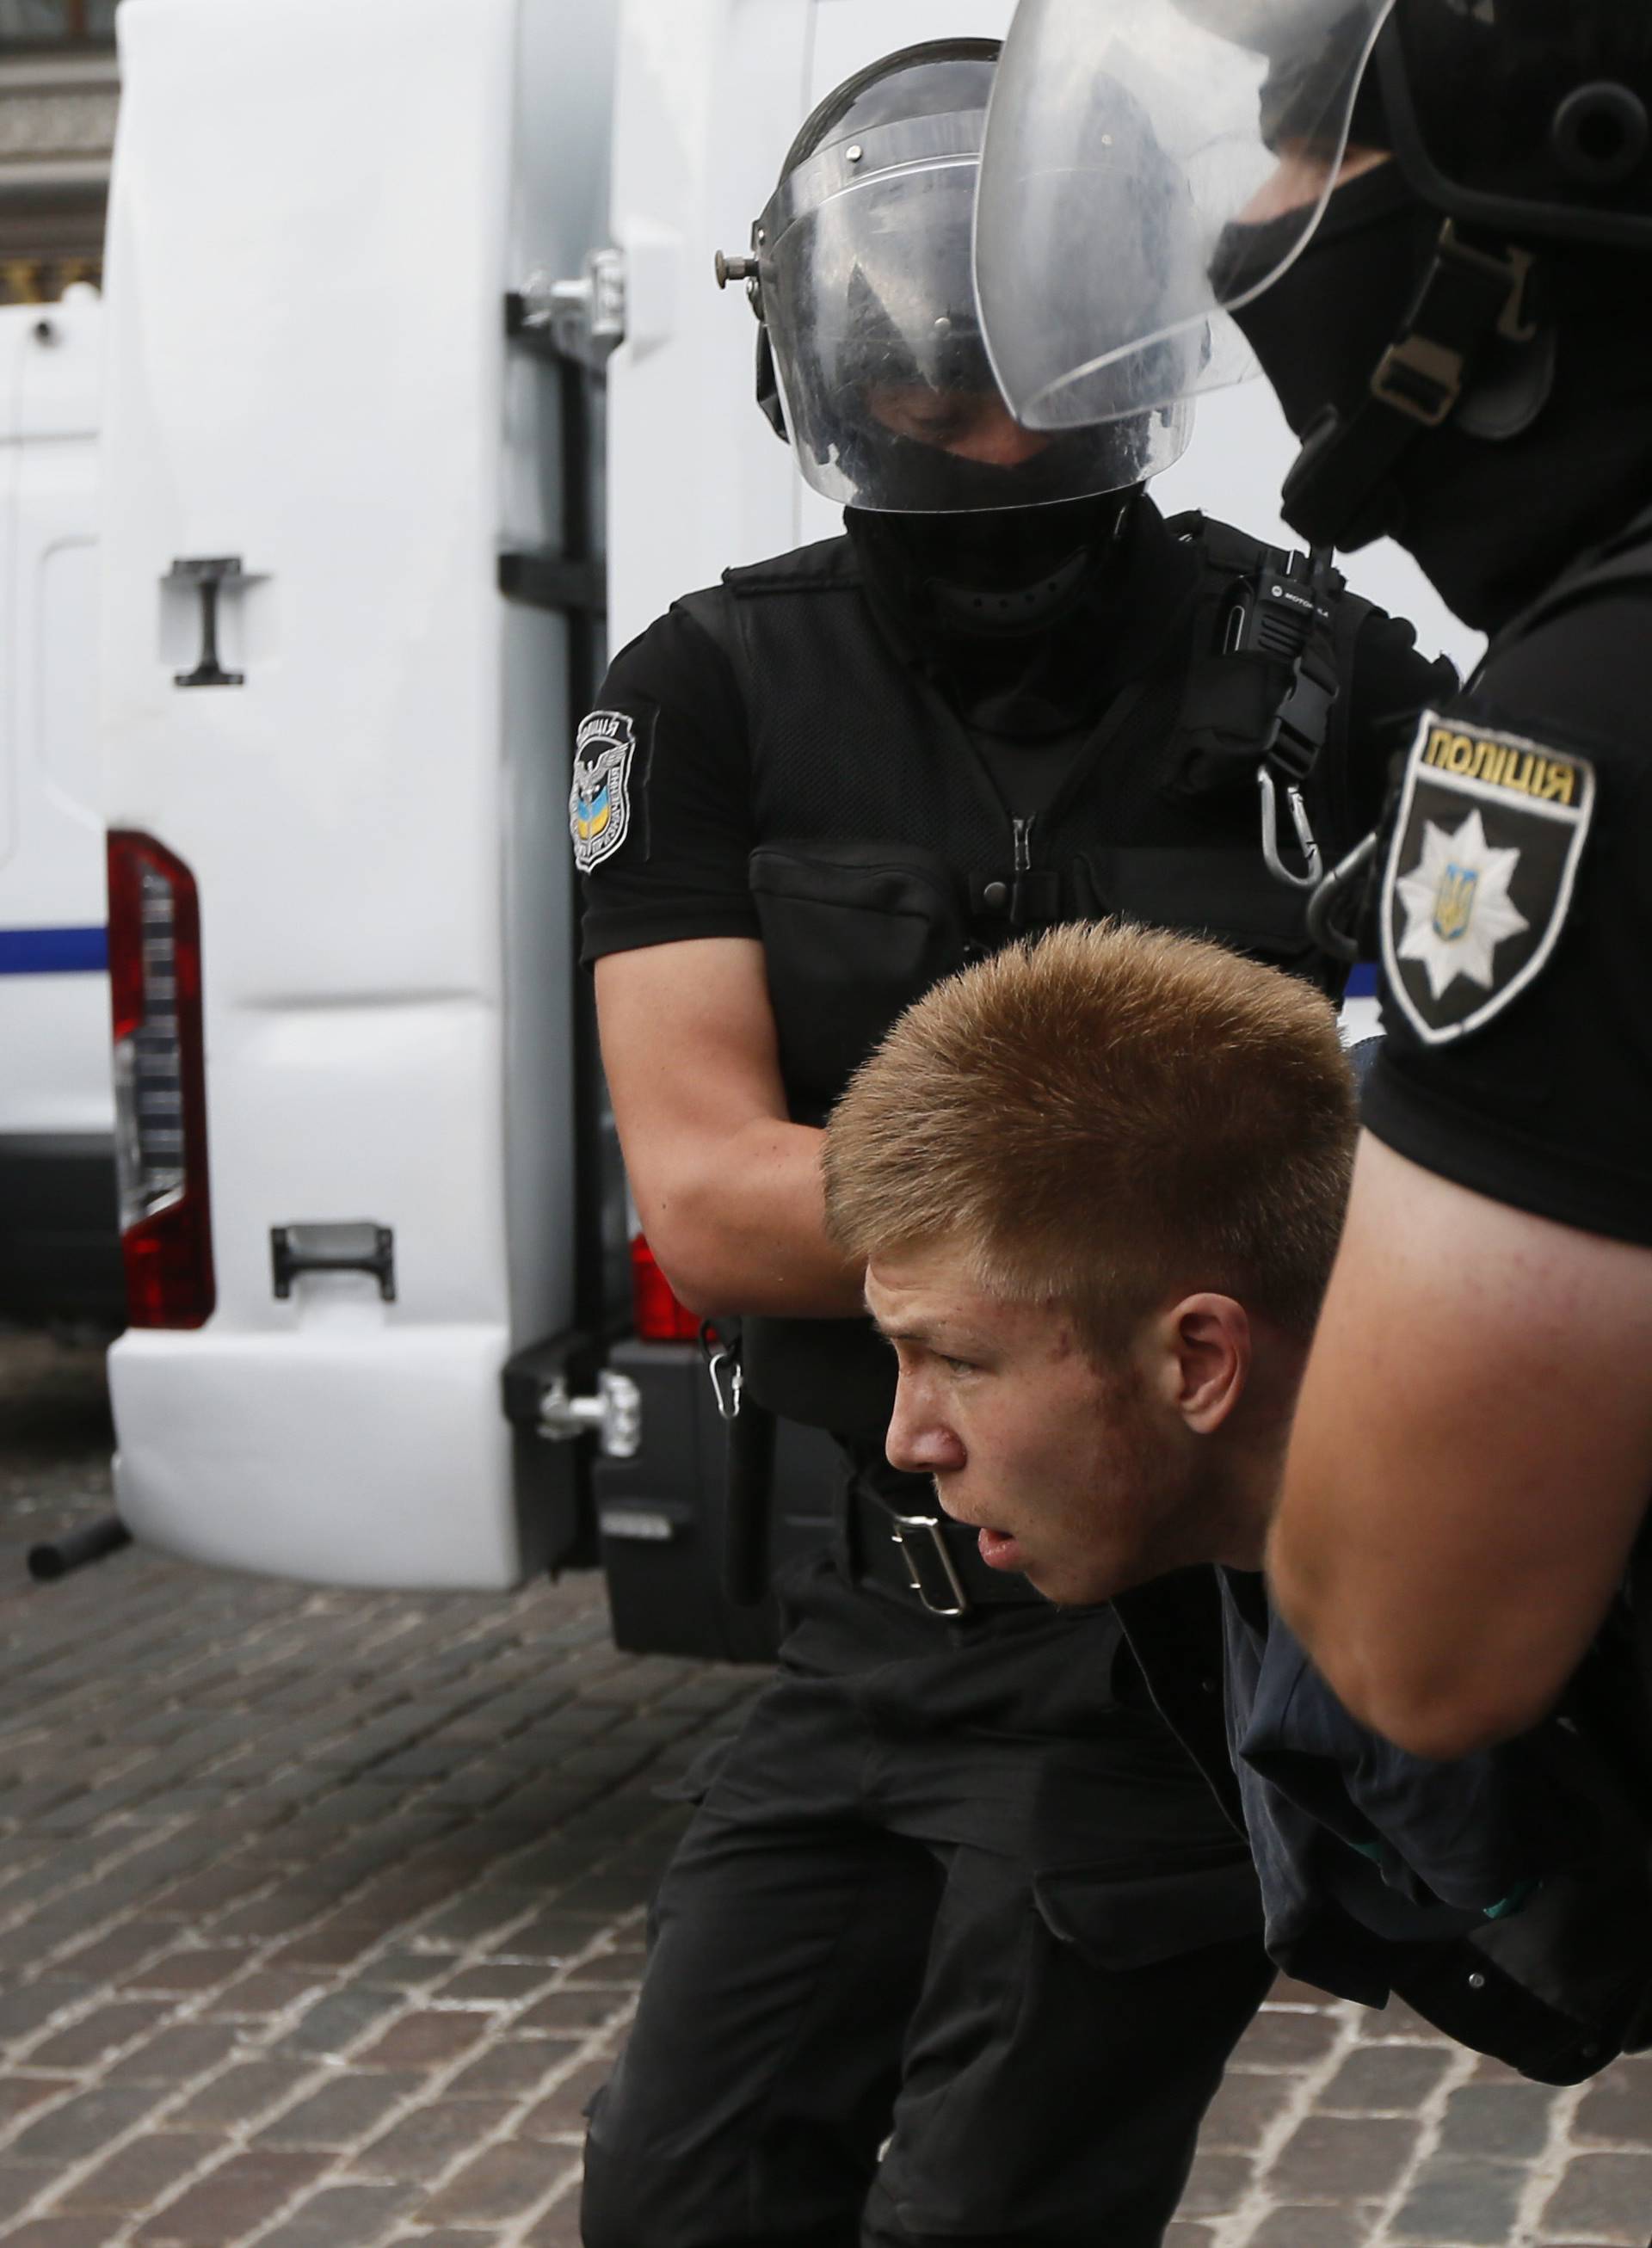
(562, 2114)
(25, 2010)
(1386, 2080)
(1243, 2108)
(21, 2095)
(140, 2172)
(342, 2216)
(503, 1982)
(79, 2126)
(405, 1968)
(1618, 2107)
(341, 2020)
(572, 2009)
(426, 2037)
(559, 2228)
(19, 2188)
(1473, 2202)
(177, 2055)
(186, 1972)
(1316, 2225)
(119, 1949)
(1510, 2120)
(345, 2111)
(244, 2192)
(1602, 2198)
(512, 2067)
(262, 1991)
(98, 2034)
(61, 2233)
(1218, 2182)
(482, 1912)
(1287, 2040)
(1342, 2157)
(243, 2093)
(432, 2139)
(501, 2182)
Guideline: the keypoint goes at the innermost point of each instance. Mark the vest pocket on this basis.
(852, 933)
(1227, 895)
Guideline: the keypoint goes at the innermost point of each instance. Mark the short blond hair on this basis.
(1106, 1117)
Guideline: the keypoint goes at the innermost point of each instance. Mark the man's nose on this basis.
(918, 1439)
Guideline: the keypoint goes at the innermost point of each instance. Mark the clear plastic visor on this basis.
(868, 296)
(1149, 165)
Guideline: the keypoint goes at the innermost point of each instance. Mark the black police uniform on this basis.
(1532, 1082)
(1507, 1085)
(955, 1885)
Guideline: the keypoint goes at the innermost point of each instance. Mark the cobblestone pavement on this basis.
(320, 1916)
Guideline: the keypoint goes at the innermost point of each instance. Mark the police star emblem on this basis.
(1458, 907)
(1481, 874)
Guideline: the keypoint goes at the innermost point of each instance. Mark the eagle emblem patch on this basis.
(599, 802)
(1481, 873)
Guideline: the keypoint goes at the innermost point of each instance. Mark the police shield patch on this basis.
(1481, 873)
(599, 802)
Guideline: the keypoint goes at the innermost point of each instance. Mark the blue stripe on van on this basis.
(1362, 985)
(53, 952)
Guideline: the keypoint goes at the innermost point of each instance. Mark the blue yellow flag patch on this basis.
(600, 801)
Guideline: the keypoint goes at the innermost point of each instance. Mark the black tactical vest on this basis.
(887, 859)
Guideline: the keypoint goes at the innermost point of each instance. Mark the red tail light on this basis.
(160, 1077)
(657, 1314)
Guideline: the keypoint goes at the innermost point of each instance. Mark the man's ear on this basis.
(1206, 1345)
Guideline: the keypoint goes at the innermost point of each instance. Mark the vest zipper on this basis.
(1022, 830)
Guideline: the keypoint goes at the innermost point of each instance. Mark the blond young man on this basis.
(1097, 1184)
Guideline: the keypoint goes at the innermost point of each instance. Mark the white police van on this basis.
(354, 595)
(59, 1252)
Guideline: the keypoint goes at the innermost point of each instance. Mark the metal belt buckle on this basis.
(929, 1566)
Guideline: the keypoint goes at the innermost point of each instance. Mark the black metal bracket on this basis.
(207, 574)
(570, 588)
(576, 1356)
(525, 324)
(332, 1248)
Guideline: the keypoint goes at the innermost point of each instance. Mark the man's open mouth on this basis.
(999, 1549)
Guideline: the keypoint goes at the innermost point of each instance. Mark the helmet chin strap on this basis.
(1341, 490)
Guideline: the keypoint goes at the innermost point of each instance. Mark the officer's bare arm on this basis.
(728, 1189)
(1470, 1460)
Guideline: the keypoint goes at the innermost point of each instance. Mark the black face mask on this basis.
(997, 573)
(1002, 602)
(1325, 322)
(1492, 518)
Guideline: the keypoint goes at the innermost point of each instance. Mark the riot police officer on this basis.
(955, 1887)
(1433, 223)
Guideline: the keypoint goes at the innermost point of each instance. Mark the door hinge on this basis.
(614, 1416)
(581, 319)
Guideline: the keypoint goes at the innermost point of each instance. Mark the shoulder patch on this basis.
(600, 801)
(1480, 873)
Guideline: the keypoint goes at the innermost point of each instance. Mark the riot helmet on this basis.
(1514, 124)
(871, 356)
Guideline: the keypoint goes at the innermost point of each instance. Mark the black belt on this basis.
(926, 1557)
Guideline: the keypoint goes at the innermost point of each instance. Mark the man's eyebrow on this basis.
(892, 1335)
(937, 1335)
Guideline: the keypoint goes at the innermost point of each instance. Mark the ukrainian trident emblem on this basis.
(1454, 901)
